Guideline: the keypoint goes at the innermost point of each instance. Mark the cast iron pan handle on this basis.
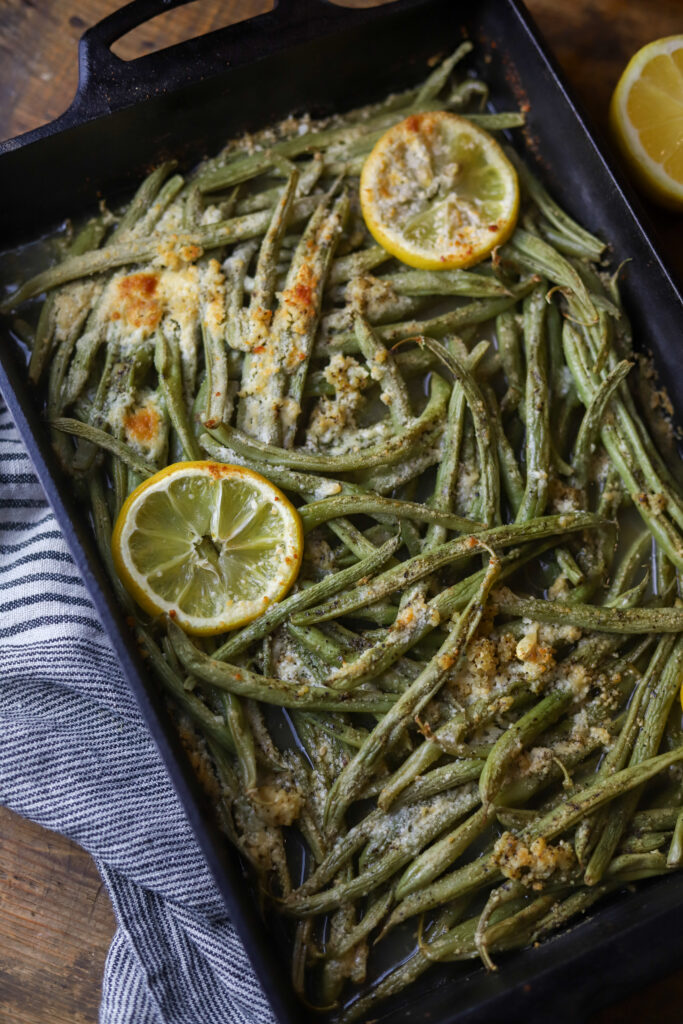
(107, 83)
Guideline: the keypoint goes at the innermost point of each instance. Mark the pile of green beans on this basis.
(465, 715)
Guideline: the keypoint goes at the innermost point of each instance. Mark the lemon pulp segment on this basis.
(438, 192)
(646, 116)
(212, 545)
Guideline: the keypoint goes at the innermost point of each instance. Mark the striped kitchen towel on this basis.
(76, 758)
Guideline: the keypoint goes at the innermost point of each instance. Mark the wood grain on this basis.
(55, 919)
(56, 924)
(39, 48)
(593, 40)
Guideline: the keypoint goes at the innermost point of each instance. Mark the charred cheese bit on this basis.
(141, 425)
(297, 311)
(136, 301)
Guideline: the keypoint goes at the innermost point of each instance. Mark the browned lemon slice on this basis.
(438, 192)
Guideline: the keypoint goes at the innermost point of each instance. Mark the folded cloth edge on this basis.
(76, 758)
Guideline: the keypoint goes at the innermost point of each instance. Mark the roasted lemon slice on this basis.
(646, 116)
(210, 545)
(438, 192)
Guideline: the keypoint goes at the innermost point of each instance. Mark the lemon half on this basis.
(211, 545)
(646, 117)
(438, 192)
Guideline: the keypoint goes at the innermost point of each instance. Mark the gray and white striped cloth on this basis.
(76, 758)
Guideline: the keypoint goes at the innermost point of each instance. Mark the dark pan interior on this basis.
(333, 59)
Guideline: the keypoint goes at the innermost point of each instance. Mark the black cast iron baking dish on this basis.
(308, 55)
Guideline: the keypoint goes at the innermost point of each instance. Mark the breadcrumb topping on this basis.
(534, 864)
(334, 418)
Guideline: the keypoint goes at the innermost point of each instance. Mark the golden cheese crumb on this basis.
(371, 296)
(579, 680)
(335, 417)
(482, 656)
(276, 804)
(175, 251)
(72, 304)
(261, 847)
(526, 648)
(564, 498)
(657, 503)
(552, 634)
(195, 748)
(507, 648)
(537, 657)
(601, 735)
(214, 297)
(559, 588)
(531, 865)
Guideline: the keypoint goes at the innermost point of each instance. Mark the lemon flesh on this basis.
(646, 117)
(438, 192)
(209, 544)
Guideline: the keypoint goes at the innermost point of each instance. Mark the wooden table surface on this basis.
(55, 918)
